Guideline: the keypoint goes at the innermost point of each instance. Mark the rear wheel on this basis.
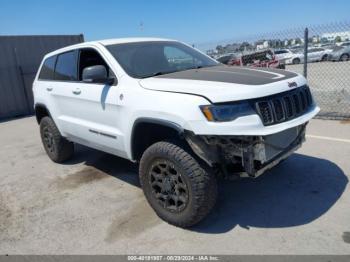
(177, 187)
(324, 58)
(296, 61)
(344, 57)
(58, 148)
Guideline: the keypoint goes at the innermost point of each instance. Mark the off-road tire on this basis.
(58, 148)
(200, 181)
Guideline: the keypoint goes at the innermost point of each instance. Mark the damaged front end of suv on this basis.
(250, 156)
(246, 155)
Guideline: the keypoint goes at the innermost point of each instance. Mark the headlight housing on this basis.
(224, 113)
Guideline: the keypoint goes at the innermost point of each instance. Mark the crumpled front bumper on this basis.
(272, 154)
(247, 156)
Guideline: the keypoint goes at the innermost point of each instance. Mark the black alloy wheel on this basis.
(168, 186)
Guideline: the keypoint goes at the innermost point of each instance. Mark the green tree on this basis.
(297, 41)
(337, 39)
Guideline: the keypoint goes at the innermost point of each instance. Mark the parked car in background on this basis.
(296, 58)
(228, 59)
(345, 44)
(315, 54)
(264, 58)
(318, 54)
(340, 53)
(282, 55)
(326, 45)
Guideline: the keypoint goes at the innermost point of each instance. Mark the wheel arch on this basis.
(41, 111)
(146, 131)
(344, 54)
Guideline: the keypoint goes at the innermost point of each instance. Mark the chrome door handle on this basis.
(76, 91)
(49, 89)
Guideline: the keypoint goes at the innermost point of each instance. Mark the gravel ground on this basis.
(94, 205)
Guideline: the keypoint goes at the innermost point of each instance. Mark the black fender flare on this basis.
(41, 105)
(156, 121)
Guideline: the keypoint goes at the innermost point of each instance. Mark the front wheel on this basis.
(344, 57)
(178, 188)
(296, 61)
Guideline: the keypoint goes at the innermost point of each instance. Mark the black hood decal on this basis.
(233, 74)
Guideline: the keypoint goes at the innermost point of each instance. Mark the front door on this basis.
(89, 112)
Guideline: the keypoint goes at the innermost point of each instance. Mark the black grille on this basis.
(265, 111)
(284, 106)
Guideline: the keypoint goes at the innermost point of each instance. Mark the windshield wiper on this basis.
(159, 73)
(200, 66)
(162, 73)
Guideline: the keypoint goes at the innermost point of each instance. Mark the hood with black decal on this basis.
(226, 83)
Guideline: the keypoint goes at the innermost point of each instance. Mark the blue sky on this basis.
(190, 21)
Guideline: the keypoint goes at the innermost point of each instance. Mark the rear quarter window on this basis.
(47, 70)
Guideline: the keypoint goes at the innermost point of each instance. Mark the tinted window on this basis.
(280, 52)
(315, 50)
(66, 66)
(145, 59)
(336, 48)
(47, 70)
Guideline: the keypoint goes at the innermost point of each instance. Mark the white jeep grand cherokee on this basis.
(183, 116)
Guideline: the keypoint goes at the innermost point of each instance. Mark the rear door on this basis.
(311, 55)
(314, 54)
(60, 89)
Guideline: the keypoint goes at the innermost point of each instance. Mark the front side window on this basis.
(66, 67)
(146, 59)
(90, 57)
(48, 69)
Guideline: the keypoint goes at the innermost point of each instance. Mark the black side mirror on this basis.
(97, 74)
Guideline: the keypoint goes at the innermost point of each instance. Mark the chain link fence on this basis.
(321, 53)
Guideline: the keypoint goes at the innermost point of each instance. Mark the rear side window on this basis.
(66, 66)
(280, 52)
(47, 70)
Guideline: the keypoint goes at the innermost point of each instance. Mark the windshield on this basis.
(146, 59)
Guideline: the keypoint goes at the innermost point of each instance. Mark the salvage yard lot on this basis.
(94, 205)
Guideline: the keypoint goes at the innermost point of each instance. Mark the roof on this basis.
(109, 42)
(131, 40)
